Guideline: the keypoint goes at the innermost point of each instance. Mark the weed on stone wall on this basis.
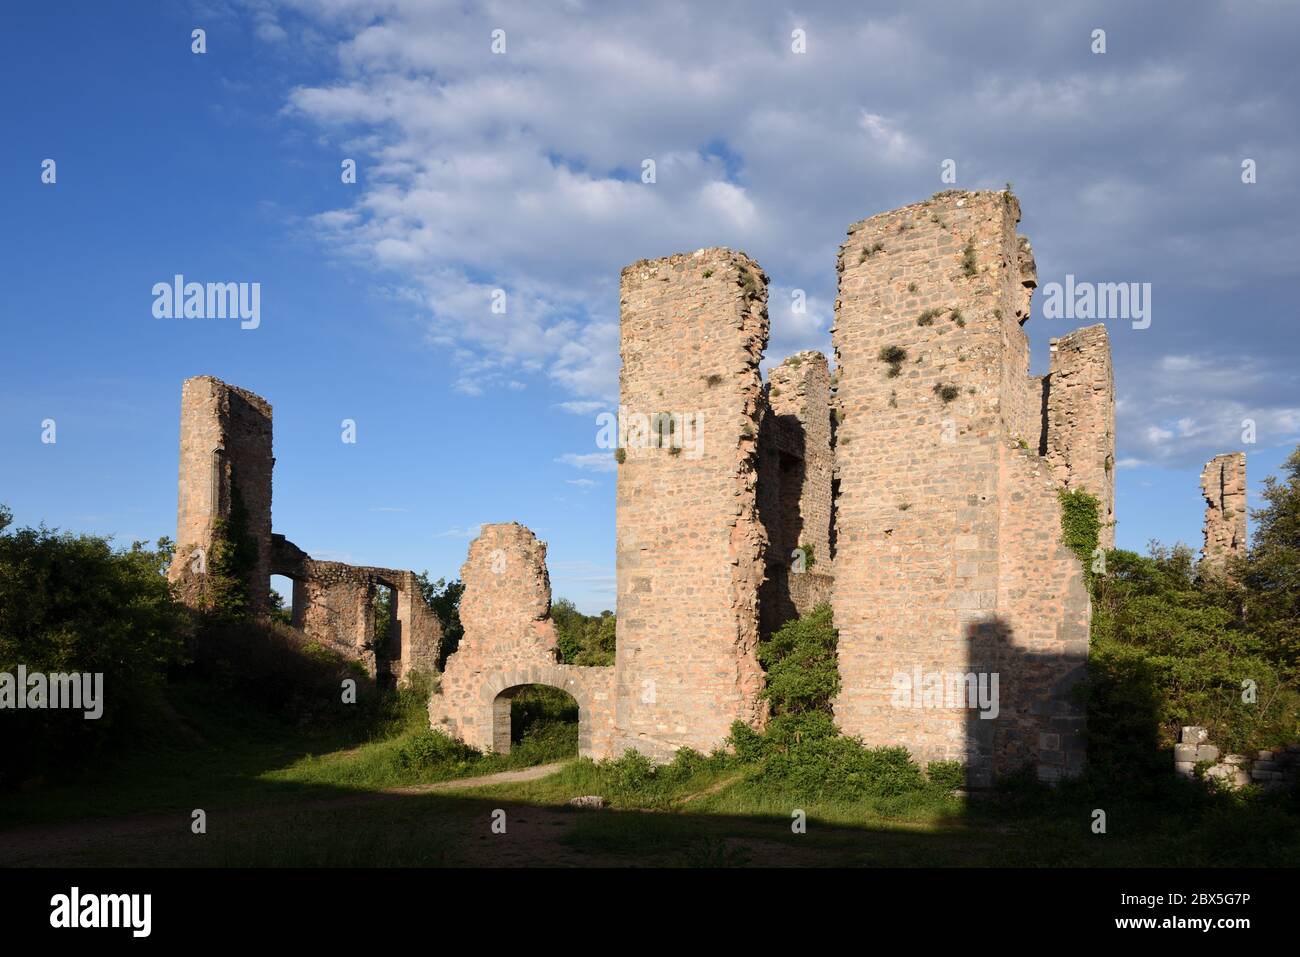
(894, 357)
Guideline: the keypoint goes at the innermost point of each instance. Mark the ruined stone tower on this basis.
(225, 475)
(1223, 483)
(949, 564)
(690, 546)
(226, 470)
(923, 483)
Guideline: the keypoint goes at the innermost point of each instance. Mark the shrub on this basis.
(894, 356)
(72, 603)
(946, 391)
(802, 673)
(946, 775)
(430, 749)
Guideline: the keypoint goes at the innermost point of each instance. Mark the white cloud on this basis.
(458, 532)
(522, 172)
(590, 461)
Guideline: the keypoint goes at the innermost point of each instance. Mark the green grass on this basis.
(277, 795)
(219, 753)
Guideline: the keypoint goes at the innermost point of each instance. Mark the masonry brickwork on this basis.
(690, 546)
(1078, 436)
(949, 558)
(923, 480)
(1223, 483)
(795, 488)
(510, 643)
(334, 604)
(226, 452)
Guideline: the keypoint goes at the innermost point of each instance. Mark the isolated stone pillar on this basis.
(1223, 483)
(690, 547)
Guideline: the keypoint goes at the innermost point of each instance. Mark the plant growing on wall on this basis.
(894, 357)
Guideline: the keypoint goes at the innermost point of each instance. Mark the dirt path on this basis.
(501, 777)
(39, 844)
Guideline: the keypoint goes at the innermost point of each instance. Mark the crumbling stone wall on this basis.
(1079, 434)
(334, 604)
(949, 558)
(510, 643)
(690, 546)
(1223, 483)
(795, 476)
(225, 451)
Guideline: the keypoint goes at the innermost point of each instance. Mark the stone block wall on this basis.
(795, 474)
(334, 604)
(690, 547)
(1079, 438)
(948, 555)
(225, 448)
(509, 643)
(1223, 483)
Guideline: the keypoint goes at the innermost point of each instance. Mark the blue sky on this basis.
(520, 171)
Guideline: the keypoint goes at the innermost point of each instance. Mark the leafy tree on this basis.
(74, 604)
(583, 639)
(1272, 573)
(444, 598)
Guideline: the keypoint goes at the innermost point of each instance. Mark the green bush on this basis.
(802, 670)
(946, 775)
(429, 749)
(74, 604)
(1171, 649)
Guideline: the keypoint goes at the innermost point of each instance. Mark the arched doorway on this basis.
(539, 717)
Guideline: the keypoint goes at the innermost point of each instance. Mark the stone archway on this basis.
(510, 642)
(499, 689)
(503, 716)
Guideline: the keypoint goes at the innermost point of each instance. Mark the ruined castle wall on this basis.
(334, 605)
(1223, 483)
(225, 445)
(1081, 419)
(936, 515)
(795, 472)
(690, 546)
(510, 642)
(1038, 641)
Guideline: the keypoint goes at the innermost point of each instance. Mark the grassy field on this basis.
(282, 796)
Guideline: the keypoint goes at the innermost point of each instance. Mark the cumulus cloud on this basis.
(521, 174)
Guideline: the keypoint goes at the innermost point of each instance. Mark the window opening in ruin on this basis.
(282, 609)
(387, 639)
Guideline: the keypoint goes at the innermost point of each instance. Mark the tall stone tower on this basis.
(949, 567)
(225, 458)
(690, 547)
(1223, 483)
